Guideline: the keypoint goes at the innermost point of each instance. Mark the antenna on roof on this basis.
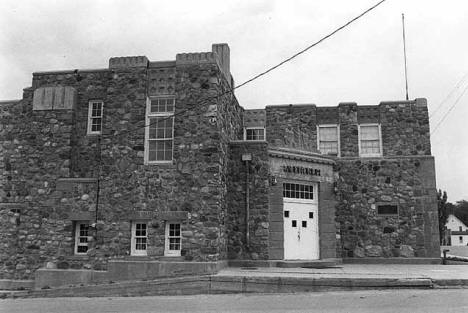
(404, 53)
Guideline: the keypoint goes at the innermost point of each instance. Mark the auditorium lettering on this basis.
(301, 170)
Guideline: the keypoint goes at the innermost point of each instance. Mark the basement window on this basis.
(139, 238)
(81, 237)
(173, 239)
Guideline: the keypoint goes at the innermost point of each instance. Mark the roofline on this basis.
(71, 71)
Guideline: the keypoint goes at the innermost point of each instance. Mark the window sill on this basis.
(83, 256)
(370, 156)
(163, 163)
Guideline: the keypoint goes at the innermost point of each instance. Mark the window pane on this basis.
(96, 124)
(255, 134)
(328, 133)
(370, 147)
(82, 249)
(369, 132)
(162, 105)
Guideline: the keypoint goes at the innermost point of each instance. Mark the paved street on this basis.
(401, 301)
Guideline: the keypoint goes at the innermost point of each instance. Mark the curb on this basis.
(191, 285)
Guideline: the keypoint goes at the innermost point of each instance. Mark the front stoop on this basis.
(125, 270)
(378, 260)
(323, 263)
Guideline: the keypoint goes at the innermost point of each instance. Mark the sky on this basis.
(363, 63)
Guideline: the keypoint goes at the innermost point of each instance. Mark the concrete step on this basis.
(324, 263)
(216, 284)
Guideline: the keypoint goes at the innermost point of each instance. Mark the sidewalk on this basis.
(275, 280)
(433, 272)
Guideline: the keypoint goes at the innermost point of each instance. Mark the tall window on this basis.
(254, 133)
(95, 117)
(160, 132)
(328, 139)
(370, 143)
(139, 238)
(81, 237)
(173, 239)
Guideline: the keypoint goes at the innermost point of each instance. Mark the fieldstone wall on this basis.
(35, 153)
(258, 201)
(292, 126)
(42, 148)
(405, 128)
(409, 183)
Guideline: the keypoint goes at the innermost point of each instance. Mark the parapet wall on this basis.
(404, 126)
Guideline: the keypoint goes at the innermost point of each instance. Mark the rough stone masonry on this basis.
(51, 166)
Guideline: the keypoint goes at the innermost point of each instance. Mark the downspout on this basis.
(247, 206)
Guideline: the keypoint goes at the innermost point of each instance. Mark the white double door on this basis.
(301, 236)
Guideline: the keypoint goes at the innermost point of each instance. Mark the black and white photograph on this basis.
(233, 156)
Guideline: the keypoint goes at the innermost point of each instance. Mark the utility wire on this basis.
(451, 108)
(231, 90)
(312, 45)
(457, 86)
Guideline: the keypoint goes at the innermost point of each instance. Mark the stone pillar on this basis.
(327, 226)
(349, 142)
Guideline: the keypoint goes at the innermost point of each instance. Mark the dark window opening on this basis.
(387, 209)
(304, 224)
(311, 214)
(294, 223)
(286, 213)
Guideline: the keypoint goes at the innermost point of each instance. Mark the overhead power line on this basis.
(457, 86)
(449, 110)
(231, 90)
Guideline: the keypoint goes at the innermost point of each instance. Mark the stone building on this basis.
(156, 161)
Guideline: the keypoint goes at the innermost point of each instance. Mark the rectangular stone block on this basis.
(276, 236)
(276, 254)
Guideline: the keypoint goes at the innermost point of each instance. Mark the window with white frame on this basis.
(95, 110)
(139, 238)
(254, 133)
(81, 237)
(460, 239)
(173, 239)
(159, 130)
(328, 139)
(370, 142)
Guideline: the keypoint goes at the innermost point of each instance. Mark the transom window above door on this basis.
(298, 191)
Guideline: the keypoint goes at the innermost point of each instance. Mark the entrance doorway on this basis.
(300, 216)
